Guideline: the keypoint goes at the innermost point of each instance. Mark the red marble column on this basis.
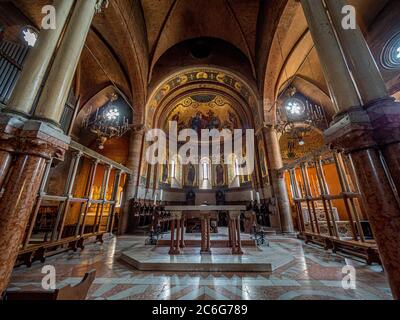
(10, 127)
(178, 236)
(16, 206)
(172, 246)
(233, 232)
(384, 114)
(34, 146)
(355, 134)
(239, 242)
(203, 235)
(208, 246)
(230, 243)
(182, 244)
(383, 211)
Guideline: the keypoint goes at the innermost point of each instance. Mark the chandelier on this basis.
(297, 116)
(107, 123)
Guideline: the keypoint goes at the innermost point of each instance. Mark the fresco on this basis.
(204, 112)
(263, 159)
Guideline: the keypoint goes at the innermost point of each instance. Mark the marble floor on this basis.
(311, 275)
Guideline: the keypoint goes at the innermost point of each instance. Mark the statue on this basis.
(191, 174)
(220, 174)
(165, 173)
(196, 122)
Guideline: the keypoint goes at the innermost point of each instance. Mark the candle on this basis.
(155, 198)
(161, 195)
(251, 195)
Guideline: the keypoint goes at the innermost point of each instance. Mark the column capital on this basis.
(176, 215)
(77, 154)
(138, 129)
(352, 131)
(42, 139)
(269, 126)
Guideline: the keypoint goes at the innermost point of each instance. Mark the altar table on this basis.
(205, 213)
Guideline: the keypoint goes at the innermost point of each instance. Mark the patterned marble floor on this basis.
(313, 274)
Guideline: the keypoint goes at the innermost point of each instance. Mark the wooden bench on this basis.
(78, 292)
(363, 250)
(41, 251)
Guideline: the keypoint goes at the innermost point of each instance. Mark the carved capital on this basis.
(177, 215)
(352, 131)
(138, 128)
(47, 149)
(384, 114)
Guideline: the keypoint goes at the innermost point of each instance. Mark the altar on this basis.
(205, 213)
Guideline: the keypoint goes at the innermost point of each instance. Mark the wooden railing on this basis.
(318, 219)
(55, 234)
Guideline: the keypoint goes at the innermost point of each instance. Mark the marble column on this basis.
(58, 83)
(10, 127)
(365, 71)
(36, 143)
(172, 243)
(353, 131)
(38, 60)
(135, 152)
(24, 94)
(341, 87)
(383, 111)
(277, 179)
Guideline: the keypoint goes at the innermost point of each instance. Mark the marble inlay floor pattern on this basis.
(312, 274)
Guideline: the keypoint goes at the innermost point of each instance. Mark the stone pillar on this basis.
(172, 241)
(58, 83)
(383, 111)
(234, 226)
(28, 85)
(357, 53)
(36, 143)
(131, 186)
(10, 126)
(38, 60)
(277, 179)
(354, 131)
(341, 87)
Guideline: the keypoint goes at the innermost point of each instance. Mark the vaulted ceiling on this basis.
(130, 37)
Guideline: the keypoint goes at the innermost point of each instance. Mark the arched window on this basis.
(205, 174)
(206, 169)
(173, 169)
(233, 171)
(176, 172)
(236, 168)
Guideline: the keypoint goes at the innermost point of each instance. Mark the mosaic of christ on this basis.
(205, 112)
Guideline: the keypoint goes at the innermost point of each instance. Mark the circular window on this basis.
(29, 35)
(391, 53)
(294, 107)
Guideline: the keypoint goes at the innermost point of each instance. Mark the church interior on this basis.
(312, 87)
